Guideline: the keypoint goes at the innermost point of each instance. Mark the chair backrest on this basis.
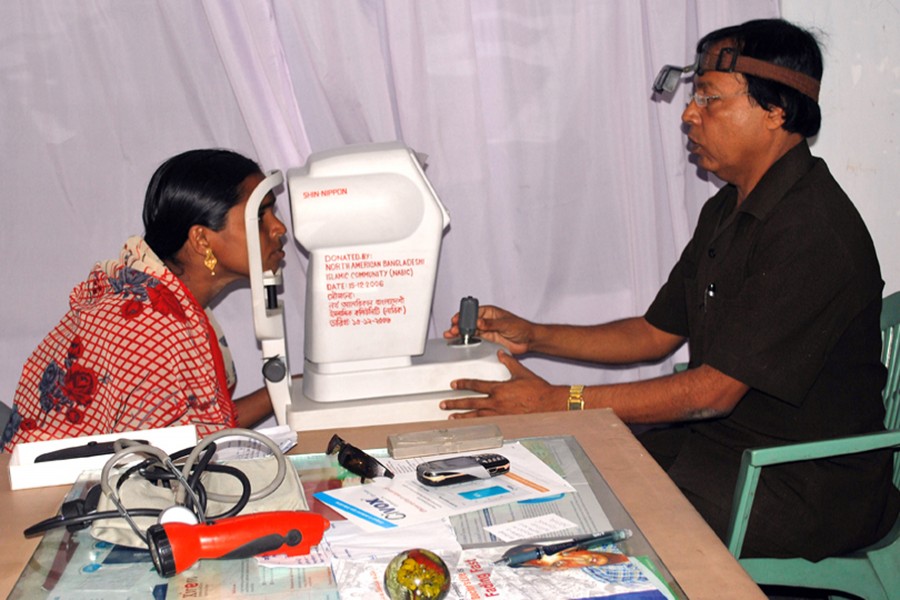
(890, 356)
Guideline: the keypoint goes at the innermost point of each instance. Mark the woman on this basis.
(138, 348)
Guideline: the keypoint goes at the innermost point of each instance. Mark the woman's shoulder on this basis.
(136, 287)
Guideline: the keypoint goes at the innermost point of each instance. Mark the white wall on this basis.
(860, 99)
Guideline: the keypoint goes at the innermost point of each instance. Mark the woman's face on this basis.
(230, 243)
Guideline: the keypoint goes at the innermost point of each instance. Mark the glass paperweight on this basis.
(417, 573)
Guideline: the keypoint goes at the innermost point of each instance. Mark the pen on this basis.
(519, 555)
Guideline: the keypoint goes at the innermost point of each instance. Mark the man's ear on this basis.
(775, 117)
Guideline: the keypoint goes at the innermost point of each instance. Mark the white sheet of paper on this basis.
(345, 540)
(534, 527)
(243, 448)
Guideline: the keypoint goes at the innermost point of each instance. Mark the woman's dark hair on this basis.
(197, 187)
(781, 43)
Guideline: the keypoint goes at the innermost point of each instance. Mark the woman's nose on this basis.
(278, 228)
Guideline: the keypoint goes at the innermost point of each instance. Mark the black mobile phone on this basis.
(461, 468)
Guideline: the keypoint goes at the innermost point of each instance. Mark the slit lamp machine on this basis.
(372, 225)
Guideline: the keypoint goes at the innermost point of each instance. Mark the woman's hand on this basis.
(525, 392)
(500, 327)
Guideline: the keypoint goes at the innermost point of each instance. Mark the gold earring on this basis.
(210, 261)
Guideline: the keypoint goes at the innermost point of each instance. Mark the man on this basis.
(778, 295)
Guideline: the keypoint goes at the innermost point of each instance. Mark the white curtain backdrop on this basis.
(566, 180)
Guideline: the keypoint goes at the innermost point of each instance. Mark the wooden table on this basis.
(689, 549)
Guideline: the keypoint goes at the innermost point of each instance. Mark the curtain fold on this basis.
(250, 48)
(567, 181)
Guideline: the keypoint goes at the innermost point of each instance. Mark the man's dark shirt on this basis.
(784, 295)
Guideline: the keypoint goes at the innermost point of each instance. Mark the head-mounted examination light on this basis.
(729, 60)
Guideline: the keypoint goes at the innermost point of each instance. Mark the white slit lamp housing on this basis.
(372, 225)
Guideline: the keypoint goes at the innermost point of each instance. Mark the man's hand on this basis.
(525, 392)
(498, 326)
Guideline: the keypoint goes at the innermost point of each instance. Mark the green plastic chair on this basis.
(872, 573)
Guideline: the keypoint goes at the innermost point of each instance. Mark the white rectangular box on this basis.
(25, 473)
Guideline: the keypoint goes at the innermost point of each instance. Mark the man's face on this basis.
(729, 134)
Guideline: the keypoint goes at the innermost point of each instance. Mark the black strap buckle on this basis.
(729, 55)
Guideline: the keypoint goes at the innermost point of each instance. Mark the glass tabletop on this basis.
(619, 518)
(76, 566)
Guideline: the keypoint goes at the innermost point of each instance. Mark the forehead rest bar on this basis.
(728, 60)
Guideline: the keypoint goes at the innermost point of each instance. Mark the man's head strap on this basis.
(729, 60)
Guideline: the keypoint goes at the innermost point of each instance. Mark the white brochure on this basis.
(403, 501)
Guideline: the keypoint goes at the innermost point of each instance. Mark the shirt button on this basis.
(711, 252)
